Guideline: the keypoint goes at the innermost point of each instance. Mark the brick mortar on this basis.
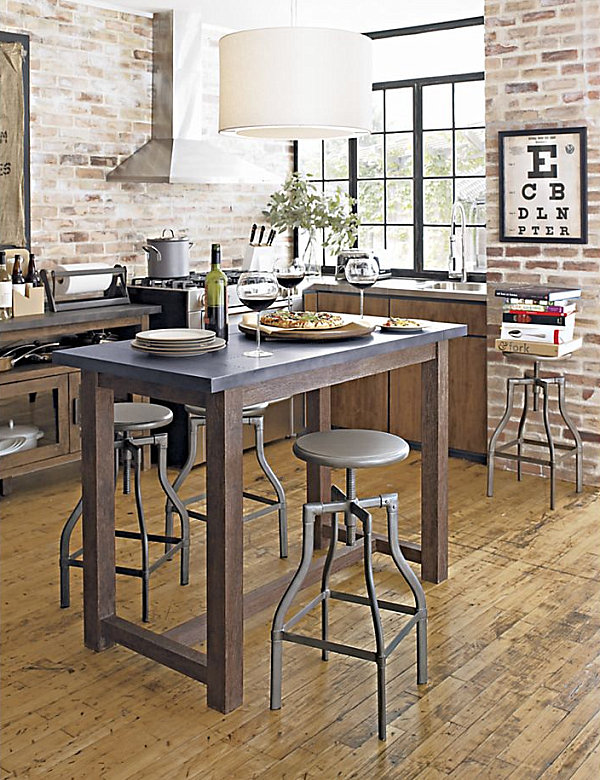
(560, 89)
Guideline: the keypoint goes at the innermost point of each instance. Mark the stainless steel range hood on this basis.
(177, 152)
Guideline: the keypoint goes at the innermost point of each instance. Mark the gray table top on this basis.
(229, 368)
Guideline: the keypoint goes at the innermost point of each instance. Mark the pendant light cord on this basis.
(293, 13)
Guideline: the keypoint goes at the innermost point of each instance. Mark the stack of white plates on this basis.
(177, 342)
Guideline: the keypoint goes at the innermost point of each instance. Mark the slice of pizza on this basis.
(308, 320)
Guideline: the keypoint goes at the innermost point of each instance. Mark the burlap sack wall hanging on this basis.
(12, 136)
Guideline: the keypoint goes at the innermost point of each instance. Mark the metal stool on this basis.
(251, 415)
(350, 449)
(538, 384)
(130, 418)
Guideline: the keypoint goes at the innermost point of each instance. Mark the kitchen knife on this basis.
(261, 234)
(271, 238)
(253, 232)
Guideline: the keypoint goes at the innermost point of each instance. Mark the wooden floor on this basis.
(514, 650)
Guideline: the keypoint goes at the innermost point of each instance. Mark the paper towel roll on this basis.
(77, 285)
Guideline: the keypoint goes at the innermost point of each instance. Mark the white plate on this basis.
(178, 347)
(422, 324)
(193, 352)
(175, 335)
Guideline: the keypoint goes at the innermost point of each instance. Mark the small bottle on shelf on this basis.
(215, 296)
(32, 277)
(18, 280)
(5, 290)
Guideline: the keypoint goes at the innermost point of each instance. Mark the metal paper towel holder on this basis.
(115, 295)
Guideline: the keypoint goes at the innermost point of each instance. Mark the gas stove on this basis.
(195, 279)
(181, 298)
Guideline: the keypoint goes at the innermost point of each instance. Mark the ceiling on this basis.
(359, 15)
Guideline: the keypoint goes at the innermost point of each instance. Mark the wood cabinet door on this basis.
(362, 403)
(43, 403)
(467, 394)
(467, 426)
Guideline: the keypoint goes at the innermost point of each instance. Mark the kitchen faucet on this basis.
(455, 255)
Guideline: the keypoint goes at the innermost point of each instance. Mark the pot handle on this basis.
(191, 244)
(171, 231)
(149, 248)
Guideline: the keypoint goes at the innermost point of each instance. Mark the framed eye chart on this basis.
(543, 185)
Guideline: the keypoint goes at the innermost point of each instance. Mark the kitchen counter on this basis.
(473, 292)
(63, 323)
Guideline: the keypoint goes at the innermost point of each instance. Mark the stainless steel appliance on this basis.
(347, 254)
(181, 298)
(182, 302)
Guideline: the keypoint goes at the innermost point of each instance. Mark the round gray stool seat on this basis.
(351, 448)
(141, 417)
(256, 410)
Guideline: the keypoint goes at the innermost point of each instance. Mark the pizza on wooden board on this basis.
(308, 320)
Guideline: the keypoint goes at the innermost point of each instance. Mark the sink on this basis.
(478, 287)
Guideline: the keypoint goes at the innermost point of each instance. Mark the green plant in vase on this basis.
(300, 204)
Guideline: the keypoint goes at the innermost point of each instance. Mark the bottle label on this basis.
(6, 295)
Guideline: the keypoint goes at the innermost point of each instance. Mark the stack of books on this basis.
(538, 320)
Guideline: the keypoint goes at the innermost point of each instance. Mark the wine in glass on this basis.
(289, 274)
(362, 272)
(257, 290)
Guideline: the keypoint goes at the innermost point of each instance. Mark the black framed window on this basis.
(426, 151)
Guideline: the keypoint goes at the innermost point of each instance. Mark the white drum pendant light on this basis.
(295, 82)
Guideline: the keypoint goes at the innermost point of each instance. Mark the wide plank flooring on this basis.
(514, 648)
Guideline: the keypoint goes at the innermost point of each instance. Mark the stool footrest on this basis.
(389, 605)
(334, 647)
(151, 537)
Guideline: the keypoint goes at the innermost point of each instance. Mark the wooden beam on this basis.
(157, 647)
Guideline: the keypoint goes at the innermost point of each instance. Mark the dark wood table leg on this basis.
(224, 550)
(318, 479)
(97, 477)
(434, 472)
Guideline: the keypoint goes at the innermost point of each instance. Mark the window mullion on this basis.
(418, 177)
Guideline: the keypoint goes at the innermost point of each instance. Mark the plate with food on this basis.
(404, 325)
(302, 320)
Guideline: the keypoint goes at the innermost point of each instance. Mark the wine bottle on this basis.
(5, 290)
(18, 280)
(32, 277)
(215, 296)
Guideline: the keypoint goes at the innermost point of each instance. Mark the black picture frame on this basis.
(6, 37)
(504, 207)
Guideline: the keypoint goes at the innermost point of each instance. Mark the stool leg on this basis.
(521, 429)
(65, 540)
(574, 433)
(367, 524)
(193, 425)
(259, 433)
(325, 584)
(162, 440)
(391, 505)
(309, 513)
(137, 469)
(550, 441)
(510, 396)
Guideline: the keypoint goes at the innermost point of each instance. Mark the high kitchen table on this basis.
(224, 382)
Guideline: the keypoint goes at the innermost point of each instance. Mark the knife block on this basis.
(258, 258)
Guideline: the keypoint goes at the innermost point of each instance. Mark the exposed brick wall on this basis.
(90, 109)
(543, 70)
